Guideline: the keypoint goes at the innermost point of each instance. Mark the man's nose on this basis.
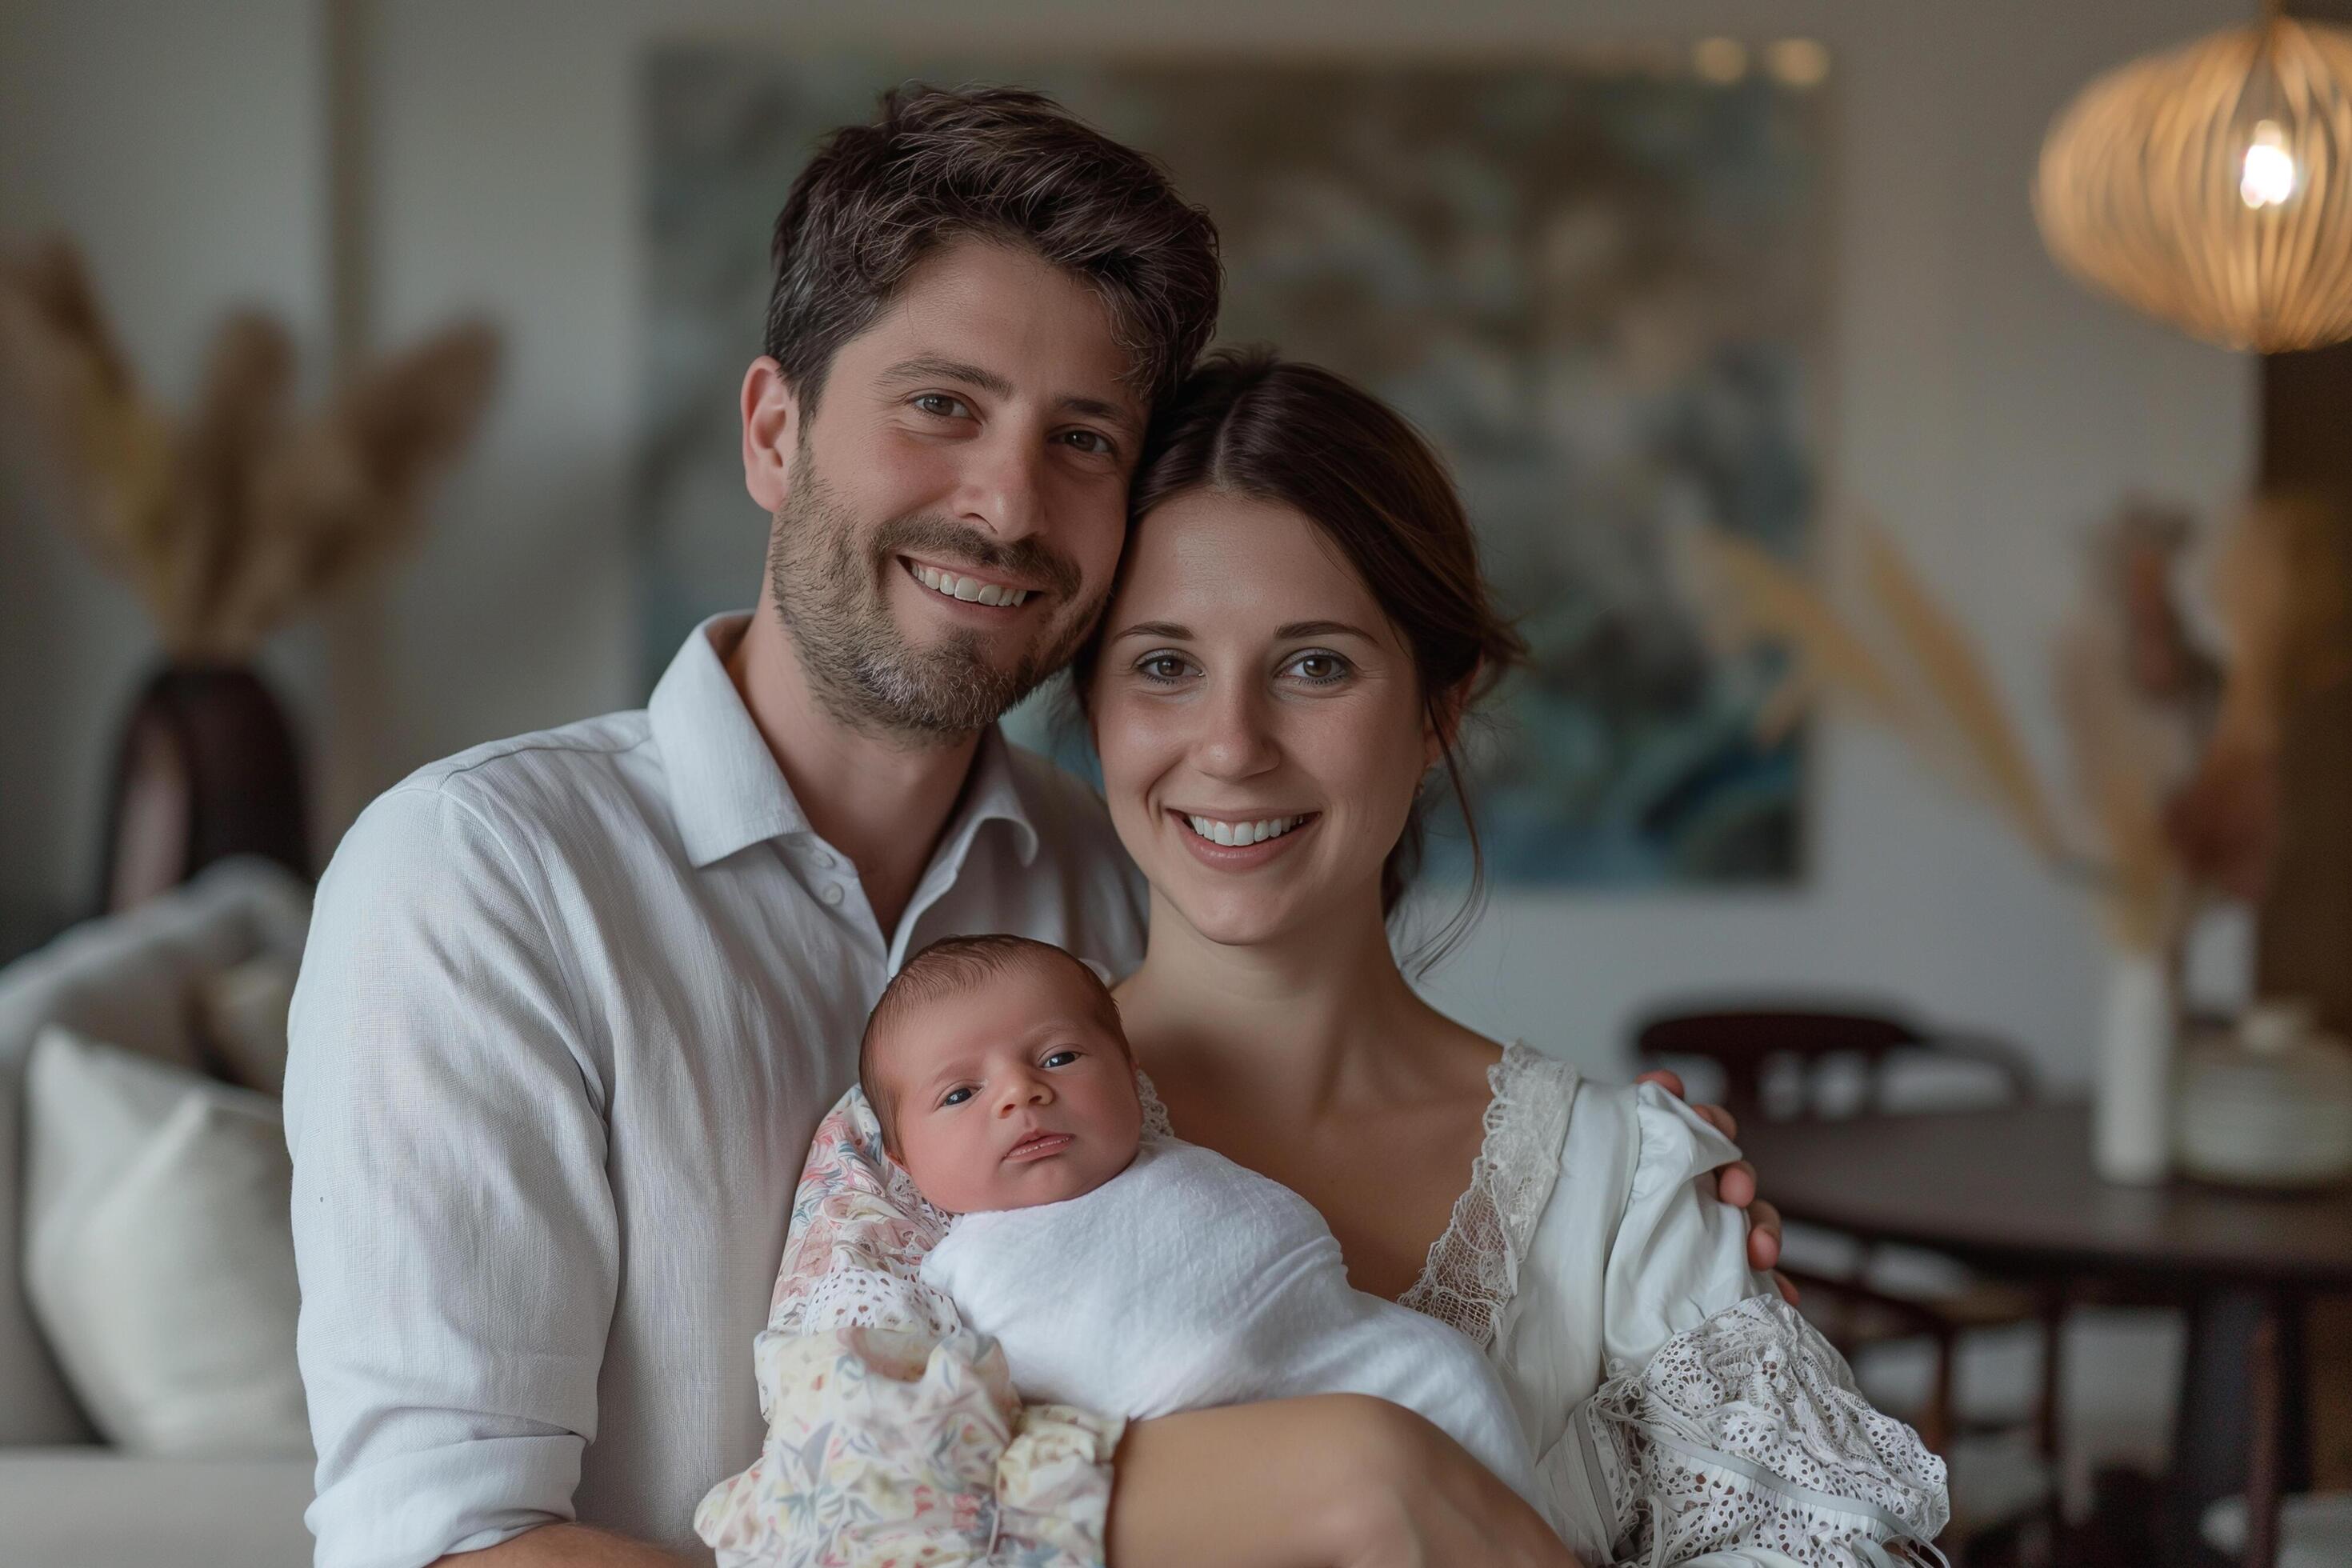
(1001, 486)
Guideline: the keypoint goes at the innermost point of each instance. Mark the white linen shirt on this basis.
(572, 1004)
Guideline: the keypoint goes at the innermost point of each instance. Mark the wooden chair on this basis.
(1781, 1063)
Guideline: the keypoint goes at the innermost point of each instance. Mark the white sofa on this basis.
(67, 1499)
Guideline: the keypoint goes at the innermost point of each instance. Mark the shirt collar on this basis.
(726, 791)
(992, 793)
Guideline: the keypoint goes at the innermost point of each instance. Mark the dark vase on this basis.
(207, 768)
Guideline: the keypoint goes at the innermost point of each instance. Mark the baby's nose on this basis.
(1035, 1091)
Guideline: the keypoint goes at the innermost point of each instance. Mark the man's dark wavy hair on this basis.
(994, 163)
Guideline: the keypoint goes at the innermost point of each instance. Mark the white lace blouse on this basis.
(1680, 1411)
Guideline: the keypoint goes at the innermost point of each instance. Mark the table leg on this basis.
(2263, 1455)
(2241, 1337)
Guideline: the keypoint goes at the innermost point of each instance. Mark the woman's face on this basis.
(1259, 720)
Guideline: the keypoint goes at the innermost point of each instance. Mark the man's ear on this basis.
(771, 430)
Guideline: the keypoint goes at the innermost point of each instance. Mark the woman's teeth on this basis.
(1233, 834)
(970, 590)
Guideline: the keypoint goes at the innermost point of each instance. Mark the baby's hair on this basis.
(949, 967)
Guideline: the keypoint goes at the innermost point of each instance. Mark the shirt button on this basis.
(825, 862)
(833, 893)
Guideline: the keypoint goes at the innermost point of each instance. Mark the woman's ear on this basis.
(1441, 724)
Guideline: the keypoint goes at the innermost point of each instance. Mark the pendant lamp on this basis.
(2212, 185)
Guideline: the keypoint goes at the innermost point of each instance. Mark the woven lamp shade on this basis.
(2212, 186)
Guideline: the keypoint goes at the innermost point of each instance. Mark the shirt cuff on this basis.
(405, 1510)
(1053, 1485)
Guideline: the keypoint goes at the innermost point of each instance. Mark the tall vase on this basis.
(2132, 1119)
(207, 768)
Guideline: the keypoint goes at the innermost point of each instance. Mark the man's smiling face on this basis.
(949, 517)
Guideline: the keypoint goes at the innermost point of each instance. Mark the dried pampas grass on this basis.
(232, 522)
(1905, 661)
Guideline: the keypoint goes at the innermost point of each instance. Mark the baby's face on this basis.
(1012, 1094)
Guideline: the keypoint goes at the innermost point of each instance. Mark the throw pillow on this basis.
(159, 1254)
(241, 1018)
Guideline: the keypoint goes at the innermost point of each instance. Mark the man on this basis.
(573, 1003)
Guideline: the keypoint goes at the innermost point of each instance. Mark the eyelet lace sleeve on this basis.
(1747, 1435)
(896, 1439)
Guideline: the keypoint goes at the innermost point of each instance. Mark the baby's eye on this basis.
(1061, 1058)
(955, 1097)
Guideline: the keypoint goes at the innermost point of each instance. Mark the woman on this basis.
(1297, 632)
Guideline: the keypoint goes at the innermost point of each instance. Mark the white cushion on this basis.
(125, 979)
(241, 1013)
(158, 1256)
(98, 1507)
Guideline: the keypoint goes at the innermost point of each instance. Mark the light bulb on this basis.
(2267, 179)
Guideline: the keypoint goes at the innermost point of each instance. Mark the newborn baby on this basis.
(1121, 1273)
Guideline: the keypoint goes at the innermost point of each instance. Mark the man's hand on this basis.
(1735, 1184)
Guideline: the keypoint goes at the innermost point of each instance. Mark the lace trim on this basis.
(852, 1298)
(1155, 1115)
(1748, 1432)
(1472, 1274)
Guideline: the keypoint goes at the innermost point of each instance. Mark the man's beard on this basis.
(830, 591)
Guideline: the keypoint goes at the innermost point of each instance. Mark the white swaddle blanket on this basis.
(1186, 1281)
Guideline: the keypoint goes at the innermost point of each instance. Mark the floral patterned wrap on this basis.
(895, 1436)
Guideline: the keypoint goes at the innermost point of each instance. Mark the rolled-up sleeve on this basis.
(454, 1225)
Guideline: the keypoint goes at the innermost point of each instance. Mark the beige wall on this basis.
(180, 145)
(1982, 405)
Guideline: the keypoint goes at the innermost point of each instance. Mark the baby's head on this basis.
(999, 1072)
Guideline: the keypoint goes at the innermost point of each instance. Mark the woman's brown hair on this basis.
(1250, 424)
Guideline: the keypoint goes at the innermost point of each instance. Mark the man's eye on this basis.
(942, 405)
(1092, 442)
(1061, 1058)
(1166, 668)
(955, 1097)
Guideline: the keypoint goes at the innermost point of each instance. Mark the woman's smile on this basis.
(1240, 844)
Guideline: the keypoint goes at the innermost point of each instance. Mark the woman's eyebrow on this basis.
(1168, 629)
(1321, 629)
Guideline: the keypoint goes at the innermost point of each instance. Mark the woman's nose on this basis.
(1236, 742)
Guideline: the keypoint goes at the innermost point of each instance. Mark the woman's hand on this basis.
(1735, 1184)
(1429, 1504)
(1335, 1480)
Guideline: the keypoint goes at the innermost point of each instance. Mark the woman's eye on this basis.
(955, 1097)
(1319, 669)
(942, 405)
(1094, 443)
(1061, 1058)
(1166, 668)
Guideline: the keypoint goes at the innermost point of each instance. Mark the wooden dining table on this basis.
(2012, 1191)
